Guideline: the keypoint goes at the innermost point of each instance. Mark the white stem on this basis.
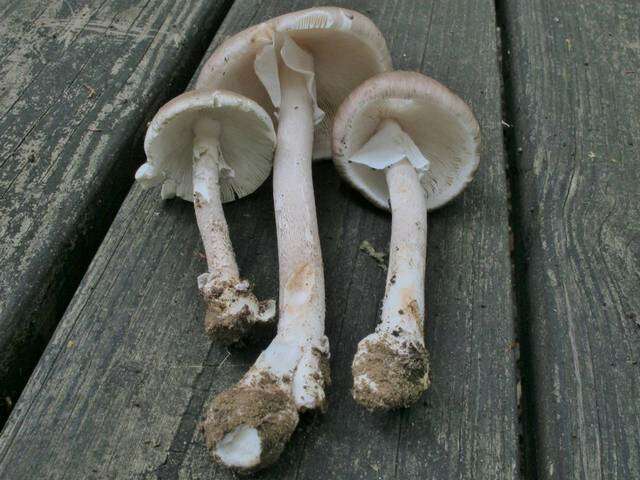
(232, 308)
(404, 295)
(391, 367)
(247, 426)
(302, 307)
(213, 227)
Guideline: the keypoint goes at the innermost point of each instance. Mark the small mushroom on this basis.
(409, 144)
(211, 147)
(303, 64)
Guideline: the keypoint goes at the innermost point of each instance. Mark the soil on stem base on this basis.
(262, 405)
(389, 372)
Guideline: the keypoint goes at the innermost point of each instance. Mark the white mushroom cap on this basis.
(346, 46)
(440, 124)
(246, 138)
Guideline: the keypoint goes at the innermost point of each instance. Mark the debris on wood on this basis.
(223, 360)
(91, 92)
(369, 249)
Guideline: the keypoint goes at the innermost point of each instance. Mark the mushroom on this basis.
(211, 147)
(407, 144)
(346, 46)
(290, 63)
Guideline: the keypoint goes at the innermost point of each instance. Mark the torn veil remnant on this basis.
(409, 144)
(211, 147)
(289, 65)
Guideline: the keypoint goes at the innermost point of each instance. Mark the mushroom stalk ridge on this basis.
(391, 366)
(247, 426)
(231, 306)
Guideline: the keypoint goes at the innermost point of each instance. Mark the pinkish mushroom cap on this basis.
(346, 46)
(439, 123)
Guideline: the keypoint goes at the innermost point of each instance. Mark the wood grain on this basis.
(574, 84)
(78, 80)
(123, 383)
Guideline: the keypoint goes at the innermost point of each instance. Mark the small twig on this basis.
(223, 360)
(90, 90)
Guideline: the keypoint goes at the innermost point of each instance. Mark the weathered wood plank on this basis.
(77, 80)
(123, 383)
(575, 79)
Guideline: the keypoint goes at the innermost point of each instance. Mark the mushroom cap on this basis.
(247, 141)
(347, 49)
(440, 124)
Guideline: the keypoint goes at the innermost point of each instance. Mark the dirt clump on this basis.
(389, 372)
(261, 405)
(229, 317)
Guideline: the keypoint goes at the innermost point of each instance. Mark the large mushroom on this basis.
(211, 147)
(409, 144)
(346, 49)
(290, 63)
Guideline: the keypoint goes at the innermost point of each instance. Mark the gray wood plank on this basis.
(575, 79)
(123, 383)
(77, 80)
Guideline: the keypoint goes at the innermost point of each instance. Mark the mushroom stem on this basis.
(403, 305)
(208, 204)
(302, 306)
(232, 308)
(247, 426)
(391, 366)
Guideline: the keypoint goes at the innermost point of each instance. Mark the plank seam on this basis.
(527, 413)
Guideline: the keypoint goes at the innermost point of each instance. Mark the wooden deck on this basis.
(533, 277)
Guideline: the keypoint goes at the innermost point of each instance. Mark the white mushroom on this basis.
(211, 147)
(347, 48)
(406, 143)
(290, 63)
